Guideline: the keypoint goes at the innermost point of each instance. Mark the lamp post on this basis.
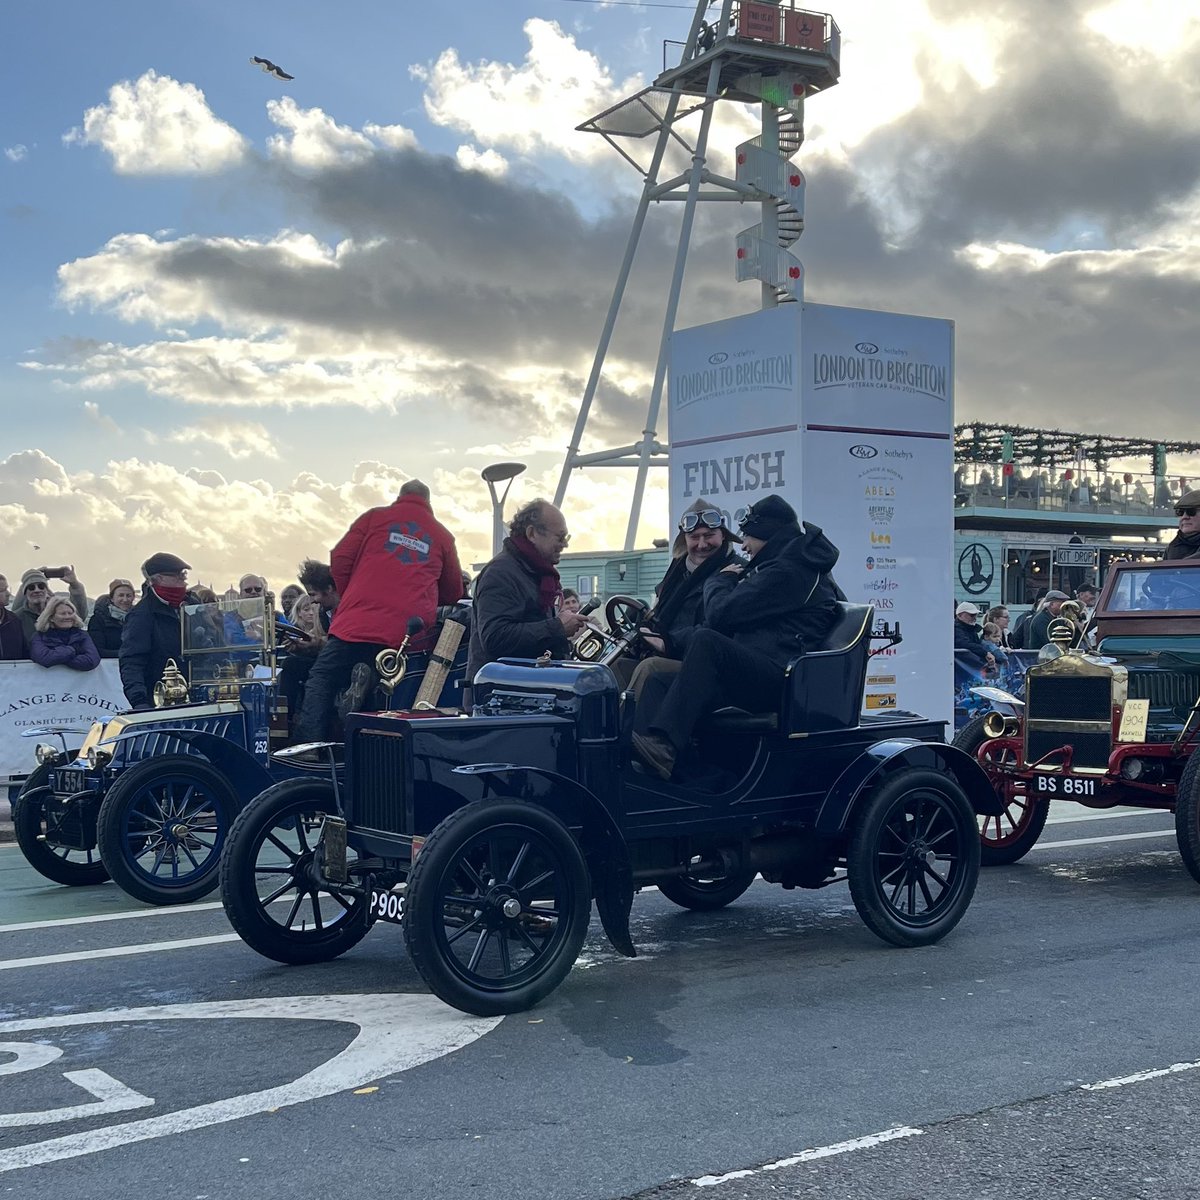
(505, 473)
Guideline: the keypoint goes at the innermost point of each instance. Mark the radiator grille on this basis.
(377, 790)
(1068, 697)
(1089, 749)
(1164, 689)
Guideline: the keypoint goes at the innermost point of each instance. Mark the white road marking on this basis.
(1103, 841)
(1173, 1069)
(1107, 815)
(860, 1143)
(49, 960)
(112, 1096)
(156, 911)
(395, 1033)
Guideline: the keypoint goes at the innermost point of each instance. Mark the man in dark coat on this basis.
(1038, 633)
(968, 637)
(756, 620)
(518, 595)
(394, 563)
(1186, 543)
(151, 634)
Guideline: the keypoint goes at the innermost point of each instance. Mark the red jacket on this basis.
(393, 563)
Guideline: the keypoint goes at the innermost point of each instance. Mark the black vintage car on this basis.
(488, 836)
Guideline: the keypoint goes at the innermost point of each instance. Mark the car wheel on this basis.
(913, 860)
(269, 890)
(1187, 816)
(38, 835)
(1009, 836)
(162, 827)
(498, 905)
(708, 891)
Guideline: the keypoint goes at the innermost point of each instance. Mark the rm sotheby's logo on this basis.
(718, 358)
(866, 347)
(863, 451)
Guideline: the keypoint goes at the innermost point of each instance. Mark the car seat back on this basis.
(823, 689)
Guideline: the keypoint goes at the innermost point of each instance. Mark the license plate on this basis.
(1065, 785)
(387, 906)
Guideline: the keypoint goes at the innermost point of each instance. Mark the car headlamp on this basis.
(97, 758)
(1141, 770)
(45, 754)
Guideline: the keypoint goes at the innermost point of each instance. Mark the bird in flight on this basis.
(270, 68)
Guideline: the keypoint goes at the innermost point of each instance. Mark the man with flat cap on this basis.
(756, 619)
(1186, 543)
(1038, 633)
(151, 634)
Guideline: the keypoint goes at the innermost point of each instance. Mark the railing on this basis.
(985, 485)
(782, 24)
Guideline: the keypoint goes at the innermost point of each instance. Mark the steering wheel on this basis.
(1173, 593)
(291, 634)
(624, 615)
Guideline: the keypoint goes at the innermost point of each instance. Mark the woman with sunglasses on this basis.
(1186, 543)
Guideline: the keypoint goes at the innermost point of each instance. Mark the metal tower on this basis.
(766, 52)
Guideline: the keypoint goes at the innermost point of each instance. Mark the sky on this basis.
(238, 311)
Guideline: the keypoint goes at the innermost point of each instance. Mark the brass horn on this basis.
(996, 725)
(391, 665)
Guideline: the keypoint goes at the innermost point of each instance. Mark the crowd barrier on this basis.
(33, 697)
(967, 674)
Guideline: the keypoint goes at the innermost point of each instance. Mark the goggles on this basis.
(1190, 511)
(710, 518)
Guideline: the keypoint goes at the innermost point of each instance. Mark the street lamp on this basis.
(499, 473)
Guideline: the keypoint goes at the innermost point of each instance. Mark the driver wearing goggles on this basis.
(1186, 543)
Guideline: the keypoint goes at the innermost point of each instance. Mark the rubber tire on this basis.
(424, 906)
(240, 897)
(860, 859)
(969, 738)
(707, 897)
(27, 826)
(1187, 815)
(110, 833)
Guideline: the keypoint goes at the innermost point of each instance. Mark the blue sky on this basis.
(238, 311)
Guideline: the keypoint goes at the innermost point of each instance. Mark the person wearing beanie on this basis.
(1186, 543)
(35, 591)
(151, 636)
(757, 618)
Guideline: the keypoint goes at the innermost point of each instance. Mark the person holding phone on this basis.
(35, 591)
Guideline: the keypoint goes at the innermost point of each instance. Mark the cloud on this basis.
(92, 411)
(530, 108)
(312, 140)
(159, 126)
(471, 159)
(237, 439)
(17, 153)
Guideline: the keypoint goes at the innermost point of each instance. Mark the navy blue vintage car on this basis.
(149, 797)
(488, 837)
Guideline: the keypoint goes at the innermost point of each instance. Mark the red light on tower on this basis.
(741, 252)
(793, 272)
(1008, 470)
(794, 180)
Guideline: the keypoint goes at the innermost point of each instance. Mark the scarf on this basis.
(1184, 545)
(679, 583)
(549, 583)
(172, 596)
(117, 614)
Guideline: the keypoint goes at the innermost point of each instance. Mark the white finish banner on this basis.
(878, 461)
(33, 697)
(734, 412)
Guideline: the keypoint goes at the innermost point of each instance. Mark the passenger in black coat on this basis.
(968, 636)
(151, 634)
(756, 619)
(108, 619)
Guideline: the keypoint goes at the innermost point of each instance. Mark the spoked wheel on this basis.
(272, 895)
(162, 827)
(498, 905)
(1008, 837)
(708, 891)
(914, 858)
(1187, 816)
(48, 838)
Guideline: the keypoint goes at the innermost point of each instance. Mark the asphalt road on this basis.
(773, 1049)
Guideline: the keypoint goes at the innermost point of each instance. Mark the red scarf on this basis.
(549, 583)
(174, 596)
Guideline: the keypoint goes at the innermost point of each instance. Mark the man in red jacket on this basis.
(393, 564)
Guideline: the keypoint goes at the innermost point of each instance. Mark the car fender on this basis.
(897, 754)
(247, 775)
(1001, 701)
(603, 842)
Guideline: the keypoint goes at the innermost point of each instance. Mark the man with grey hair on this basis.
(518, 609)
(394, 563)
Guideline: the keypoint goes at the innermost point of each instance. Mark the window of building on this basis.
(587, 586)
(1026, 572)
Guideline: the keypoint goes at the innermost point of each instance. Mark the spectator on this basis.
(989, 640)
(30, 601)
(393, 564)
(466, 576)
(61, 640)
(152, 628)
(1018, 637)
(293, 674)
(317, 580)
(5, 594)
(12, 637)
(967, 638)
(251, 585)
(108, 619)
(288, 598)
(570, 600)
(999, 617)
